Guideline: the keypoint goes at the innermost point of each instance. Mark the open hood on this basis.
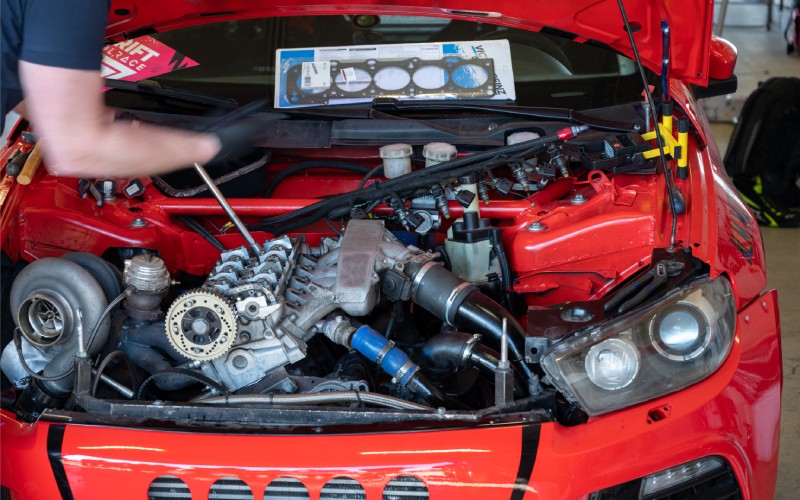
(596, 21)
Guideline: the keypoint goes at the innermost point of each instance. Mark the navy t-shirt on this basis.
(61, 33)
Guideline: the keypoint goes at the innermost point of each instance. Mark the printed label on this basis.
(316, 75)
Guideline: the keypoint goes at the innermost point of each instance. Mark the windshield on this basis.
(238, 58)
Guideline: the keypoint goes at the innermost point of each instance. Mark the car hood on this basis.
(591, 21)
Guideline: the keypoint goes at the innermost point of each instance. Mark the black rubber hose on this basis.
(145, 347)
(422, 387)
(479, 313)
(205, 233)
(443, 354)
(496, 238)
(309, 165)
(417, 179)
(341, 205)
(172, 374)
(460, 303)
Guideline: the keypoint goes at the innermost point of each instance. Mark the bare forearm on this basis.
(81, 139)
(122, 150)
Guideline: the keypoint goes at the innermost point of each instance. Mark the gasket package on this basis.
(336, 75)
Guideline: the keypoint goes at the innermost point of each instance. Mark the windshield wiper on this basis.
(560, 114)
(152, 87)
(385, 106)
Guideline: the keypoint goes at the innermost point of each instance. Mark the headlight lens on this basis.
(612, 364)
(660, 349)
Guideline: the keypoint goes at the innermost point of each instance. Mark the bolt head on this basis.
(536, 226)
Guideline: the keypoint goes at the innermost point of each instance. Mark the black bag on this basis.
(792, 31)
(763, 156)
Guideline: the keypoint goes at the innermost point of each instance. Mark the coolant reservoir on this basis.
(469, 248)
(396, 160)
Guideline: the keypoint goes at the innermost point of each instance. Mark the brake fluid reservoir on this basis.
(437, 152)
(396, 160)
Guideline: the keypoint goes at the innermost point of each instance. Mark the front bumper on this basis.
(734, 414)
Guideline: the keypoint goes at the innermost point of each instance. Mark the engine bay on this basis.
(415, 282)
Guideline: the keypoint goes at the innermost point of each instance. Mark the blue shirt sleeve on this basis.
(64, 33)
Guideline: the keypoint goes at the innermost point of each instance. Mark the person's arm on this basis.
(66, 108)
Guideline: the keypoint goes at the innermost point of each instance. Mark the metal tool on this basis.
(15, 162)
(31, 165)
(251, 242)
(503, 376)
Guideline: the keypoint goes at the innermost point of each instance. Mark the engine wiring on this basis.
(340, 205)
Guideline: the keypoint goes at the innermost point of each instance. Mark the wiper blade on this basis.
(560, 114)
(152, 87)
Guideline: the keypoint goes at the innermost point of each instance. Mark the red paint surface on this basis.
(723, 58)
(717, 416)
(600, 20)
(734, 413)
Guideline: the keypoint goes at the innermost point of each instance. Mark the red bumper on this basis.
(734, 414)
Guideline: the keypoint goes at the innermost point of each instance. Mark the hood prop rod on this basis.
(652, 110)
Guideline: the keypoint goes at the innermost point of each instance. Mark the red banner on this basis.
(141, 58)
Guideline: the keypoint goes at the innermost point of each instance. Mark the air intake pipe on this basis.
(462, 305)
(442, 355)
(394, 361)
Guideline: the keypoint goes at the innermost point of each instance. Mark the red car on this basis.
(457, 265)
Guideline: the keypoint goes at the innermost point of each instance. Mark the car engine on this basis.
(441, 290)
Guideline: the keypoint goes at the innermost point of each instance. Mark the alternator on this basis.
(201, 324)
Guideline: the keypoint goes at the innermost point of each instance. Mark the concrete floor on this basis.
(782, 247)
(762, 54)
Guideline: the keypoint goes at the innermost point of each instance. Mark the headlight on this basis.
(669, 345)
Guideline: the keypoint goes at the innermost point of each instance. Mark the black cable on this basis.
(104, 364)
(667, 171)
(333, 228)
(445, 169)
(125, 293)
(339, 205)
(369, 176)
(308, 165)
(205, 233)
(18, 346)
(180, 371)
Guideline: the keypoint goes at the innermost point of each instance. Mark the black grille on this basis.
(406, 488)
(168, 487)
(719, 484)
(230, 488)
(286, 488)
(342, 488)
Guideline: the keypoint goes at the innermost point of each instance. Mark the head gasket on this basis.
(449, 77)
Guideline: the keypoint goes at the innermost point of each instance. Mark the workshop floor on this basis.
(762, 54)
